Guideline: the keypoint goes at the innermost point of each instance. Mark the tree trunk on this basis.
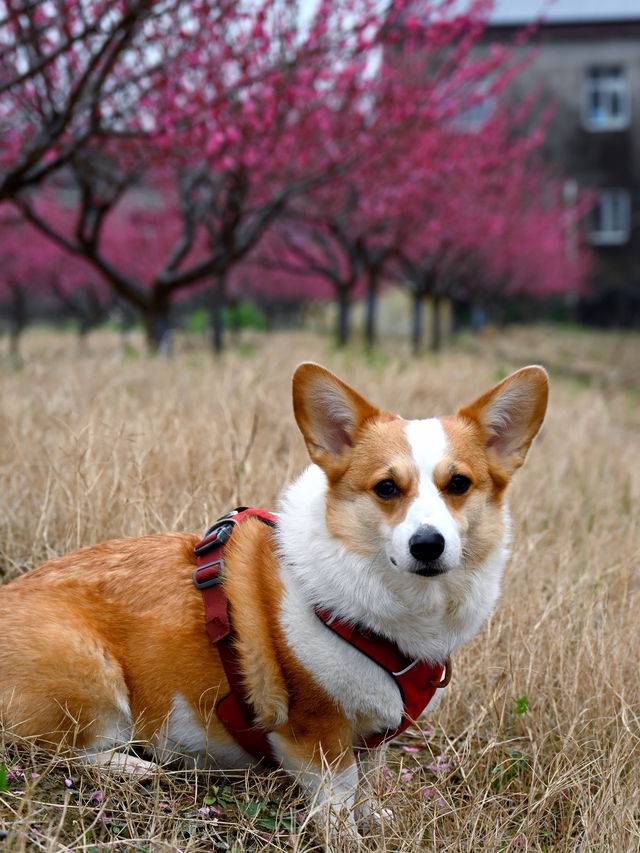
(157, 324)
(370, 318)
(342, 330)
(436, 323)
(416, 322)
(17, 323)
(83, 335)
(14, 346)
(217, 307)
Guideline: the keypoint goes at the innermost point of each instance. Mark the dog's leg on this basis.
(120, 763)
(369, 814)
(328, 774)
(110, 749)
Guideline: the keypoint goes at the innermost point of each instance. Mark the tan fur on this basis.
(119, 620)
(353, 510)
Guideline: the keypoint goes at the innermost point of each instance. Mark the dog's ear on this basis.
(509, 416)
(329, 414)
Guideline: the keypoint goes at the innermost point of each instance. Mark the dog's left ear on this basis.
(329, 414)
(510, 415)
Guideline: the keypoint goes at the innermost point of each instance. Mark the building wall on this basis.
(599, 159)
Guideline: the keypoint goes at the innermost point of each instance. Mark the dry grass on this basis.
(536, 743)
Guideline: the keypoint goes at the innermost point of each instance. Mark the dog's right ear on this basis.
(509, 416)
(329, 414)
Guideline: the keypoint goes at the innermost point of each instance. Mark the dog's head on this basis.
(425, 493)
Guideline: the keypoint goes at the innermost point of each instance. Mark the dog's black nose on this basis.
(427, 544)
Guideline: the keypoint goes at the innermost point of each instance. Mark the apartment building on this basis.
(587, 62)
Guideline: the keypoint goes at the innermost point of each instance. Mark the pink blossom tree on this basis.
(72, 71)
(234, 122)
(36, 274)
(349, 230)
(461, 213)
(492, 225)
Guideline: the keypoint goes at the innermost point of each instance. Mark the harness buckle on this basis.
(216, 536)
(213, 579)
(446, 677)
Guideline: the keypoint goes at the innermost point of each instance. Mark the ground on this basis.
(535, 745)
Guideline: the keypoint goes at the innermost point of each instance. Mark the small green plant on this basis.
(4, 781)
(265, 814)
(198, 321)
(70, 327)
(130, 351)
(499, 374)
(243, 315)
(246, 349)
(513, 765)
(376, 357)
(520, 706)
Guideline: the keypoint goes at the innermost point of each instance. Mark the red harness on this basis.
(234, 710)
(416, 680)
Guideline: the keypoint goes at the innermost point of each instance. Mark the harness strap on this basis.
(417, 680)
(234, 710)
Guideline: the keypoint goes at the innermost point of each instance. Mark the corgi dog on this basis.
(398, 532)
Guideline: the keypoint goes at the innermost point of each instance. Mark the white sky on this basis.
(520, 11)
(554, 11)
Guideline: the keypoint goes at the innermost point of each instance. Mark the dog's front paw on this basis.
(123, 764)
(371, 818)
(338, 829)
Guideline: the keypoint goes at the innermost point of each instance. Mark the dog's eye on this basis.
(458, 484)
(386, 489)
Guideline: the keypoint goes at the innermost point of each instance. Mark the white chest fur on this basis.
(367, 694)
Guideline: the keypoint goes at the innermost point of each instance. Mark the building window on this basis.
(606, 103)
(476, 116)
(480, 108)
(610, 219)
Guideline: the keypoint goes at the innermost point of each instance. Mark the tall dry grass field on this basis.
(535, 745)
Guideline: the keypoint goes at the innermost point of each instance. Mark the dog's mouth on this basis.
(429, 570)
(425, 570)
